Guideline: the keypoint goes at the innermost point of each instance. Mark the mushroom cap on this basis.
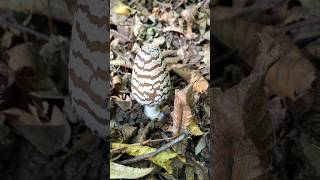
(150, 83)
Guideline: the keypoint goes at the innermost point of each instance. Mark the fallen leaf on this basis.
(22, 58)
(194, 128)
(48, 138)
(121, 9)
(199, 83)
(201, 144)
(243, 133)
(291, 76)
(122, 133)
(124, 104)
(163, 159)
(118, 171)
(182, 115)
(23, 62)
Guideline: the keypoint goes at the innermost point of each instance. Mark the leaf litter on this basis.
(40, 135)
(34, 96)
(180, 28)
(265, 123)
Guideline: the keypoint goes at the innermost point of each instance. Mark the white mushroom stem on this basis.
(153, 112)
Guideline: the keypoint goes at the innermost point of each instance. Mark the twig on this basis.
(304, 23)
(162, 148)
(121, 35)
(153, 140)
(25, 29)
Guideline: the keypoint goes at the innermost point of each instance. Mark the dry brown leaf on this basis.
(21, 57)
(198, 82)
(181, 114)
(291, 76)
(117, 82)
(124, 103)
(189, 15)
(27, 69)
(123, 133)
(48, 138)
(243, 130)
(45, 7)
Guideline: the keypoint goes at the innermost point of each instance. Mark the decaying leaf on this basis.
(243, 133)
(182, 115)
(201, 144)
(118, 171)
(117, 82)
(189, 15)
(60, 7)
(200, 170)
(199, 83)
(121, 134)
(163, 159)
(48, 138)
(291, 76)
(124, 104)
(21, 58)
(23, 62)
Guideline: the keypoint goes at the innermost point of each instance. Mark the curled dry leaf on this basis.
(243, 133)
(23, 62)
(116, 82)
(182, 115)
(21, 58)
(48, 138)
(123, 133)
(198, 82)
(291, 76)
(189, 14)
(125, 104)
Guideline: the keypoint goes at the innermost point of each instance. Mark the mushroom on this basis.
(150, 83)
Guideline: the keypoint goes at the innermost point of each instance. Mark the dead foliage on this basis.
(269, 132)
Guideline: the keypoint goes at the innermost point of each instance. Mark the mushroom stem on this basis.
(153, 112)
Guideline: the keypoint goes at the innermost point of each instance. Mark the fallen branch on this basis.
(24, 29)
(162, 148)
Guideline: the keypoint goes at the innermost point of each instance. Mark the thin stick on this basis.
(25, 29)
(162, 148)
(153, 140)
(300, 24)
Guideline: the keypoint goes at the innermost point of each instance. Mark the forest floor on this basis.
(41, 136)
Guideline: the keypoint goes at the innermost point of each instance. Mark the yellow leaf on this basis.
(194, 129)
(118, 171)
(122, 9)
(163, 159)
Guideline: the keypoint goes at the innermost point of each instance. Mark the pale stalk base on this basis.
(153, 112)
